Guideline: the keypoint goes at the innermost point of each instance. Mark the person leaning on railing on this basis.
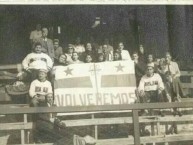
(49, 128)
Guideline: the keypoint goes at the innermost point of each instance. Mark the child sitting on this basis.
(40, 88)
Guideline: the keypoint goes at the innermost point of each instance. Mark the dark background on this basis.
(158, 28)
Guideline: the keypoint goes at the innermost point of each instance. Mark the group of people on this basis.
(47, 53)
(157, 80)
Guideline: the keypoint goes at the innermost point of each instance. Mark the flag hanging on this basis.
(105, 83)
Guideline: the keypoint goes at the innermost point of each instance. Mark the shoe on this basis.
(162, 114)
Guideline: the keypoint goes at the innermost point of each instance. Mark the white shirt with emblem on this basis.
(40, 88)
(152, 83)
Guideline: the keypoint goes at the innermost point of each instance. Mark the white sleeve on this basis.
(160, 82)
(177, 70)
(50, 88)
(32, 92)
(49, 62)
(141, 85)
(126, 55)
(25, 62)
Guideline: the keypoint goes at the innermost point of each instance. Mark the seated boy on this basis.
(35, 61)
(151, 87)
(39, 88)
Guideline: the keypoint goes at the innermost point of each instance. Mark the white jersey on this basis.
(40, 88)
(152, 83)
(37, 61)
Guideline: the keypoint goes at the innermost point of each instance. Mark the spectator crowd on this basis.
(157, 79)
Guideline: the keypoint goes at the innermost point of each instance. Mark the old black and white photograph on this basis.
(96, 74)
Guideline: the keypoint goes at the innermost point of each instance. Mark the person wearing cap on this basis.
(57, 50)
(151, 87)
(35, 61)
(40, 88)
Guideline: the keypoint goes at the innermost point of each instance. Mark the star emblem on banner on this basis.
(119, 67)
(68, 71)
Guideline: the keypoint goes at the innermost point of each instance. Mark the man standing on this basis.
(47, 44)
(139, 67)
(124, 53)
(36, 34)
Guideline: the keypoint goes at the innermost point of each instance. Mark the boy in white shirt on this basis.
(40, 88)
(151, 87)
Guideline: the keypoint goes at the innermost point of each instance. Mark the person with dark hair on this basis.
(75, 58)
(124, 53)
(49, 128)
(108, 53)
(161, 68)
(139, 67)
(101, 57)
(57, 49)
(62, 60)
(69, 52)
(35, 61)
(88, 58)
(151, 87)
(141, 53)
(150, 60)
(88, 50)
(47, 44)
(117, 56)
